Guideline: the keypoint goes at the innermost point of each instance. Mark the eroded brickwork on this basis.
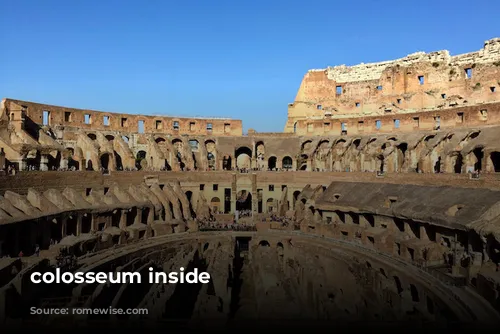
(424, 85)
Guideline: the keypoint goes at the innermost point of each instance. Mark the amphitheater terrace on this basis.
(343, 216)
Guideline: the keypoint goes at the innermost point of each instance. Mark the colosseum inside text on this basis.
(380, 202)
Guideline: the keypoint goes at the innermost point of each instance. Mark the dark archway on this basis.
(244, 201)
(495, 160)
(479, 154)
(118, 160)
(271, 163)
(141, 155)
(226, 162)
(243, 156)
(105, 161)
(90, 165)
(458, 164)
(287, 163)
(92, 136)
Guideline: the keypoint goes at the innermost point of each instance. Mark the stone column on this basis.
(78, 225)
(138, 216)
(93, 223)
(151, 216)
(233, 193)
(123, 220)
(64, 227)
(255, 199)
(43, 163)
(2, 160)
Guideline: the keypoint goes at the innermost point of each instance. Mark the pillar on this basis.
(151, 216)
(64, 227)
(2, 159)
(78, 225)
(123, 220)
(43, 163)
(255, 200)
(233, 192)
(93, 223)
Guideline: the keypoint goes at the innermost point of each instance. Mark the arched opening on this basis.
(118, 161)
(270, 207)
(215, 205)
(110, 137)
(92, 136)
(280, 249)
(271, 163)
(90, 165)
(287, 163)
(72, 163)
(189, 195)
(226, 162)
(356, 143)
(211, 154)
(303, 167)
(264, 243)
(243, 157)
(54, 160)
(139, 158)
(33, 159)
(437, 165)
(105, 161)
(260, 150)
(295, 127)
(166, 165)
(160, 140)
(457, 167)
(399, 286)
(86, 223)
(295, 197)
(495, 160)
(414, 293)
(244, 201)
(478, 154)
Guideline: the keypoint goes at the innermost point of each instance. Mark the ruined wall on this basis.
(72, 119)
(420, 82)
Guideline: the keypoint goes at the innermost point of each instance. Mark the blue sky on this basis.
(239, 59)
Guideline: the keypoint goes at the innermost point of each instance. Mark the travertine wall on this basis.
(95, 120)
(420, 82)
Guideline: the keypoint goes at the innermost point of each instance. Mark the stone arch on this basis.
(414, 293)
(287, 163)
(264, 243)
(105, 160)
(215, 204)
(139, 158)
(260, 150)
(69, 154)
(458, 162)
(160, 140)
(270, 205)
(92, 136)
(110, 137)
(272, 163)
(90, 165)
(243, 200)
(243, 156)
(211, 153)
(397, 283)
(306, 145)
(227, 162)
(478, 153)
(495, 161)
